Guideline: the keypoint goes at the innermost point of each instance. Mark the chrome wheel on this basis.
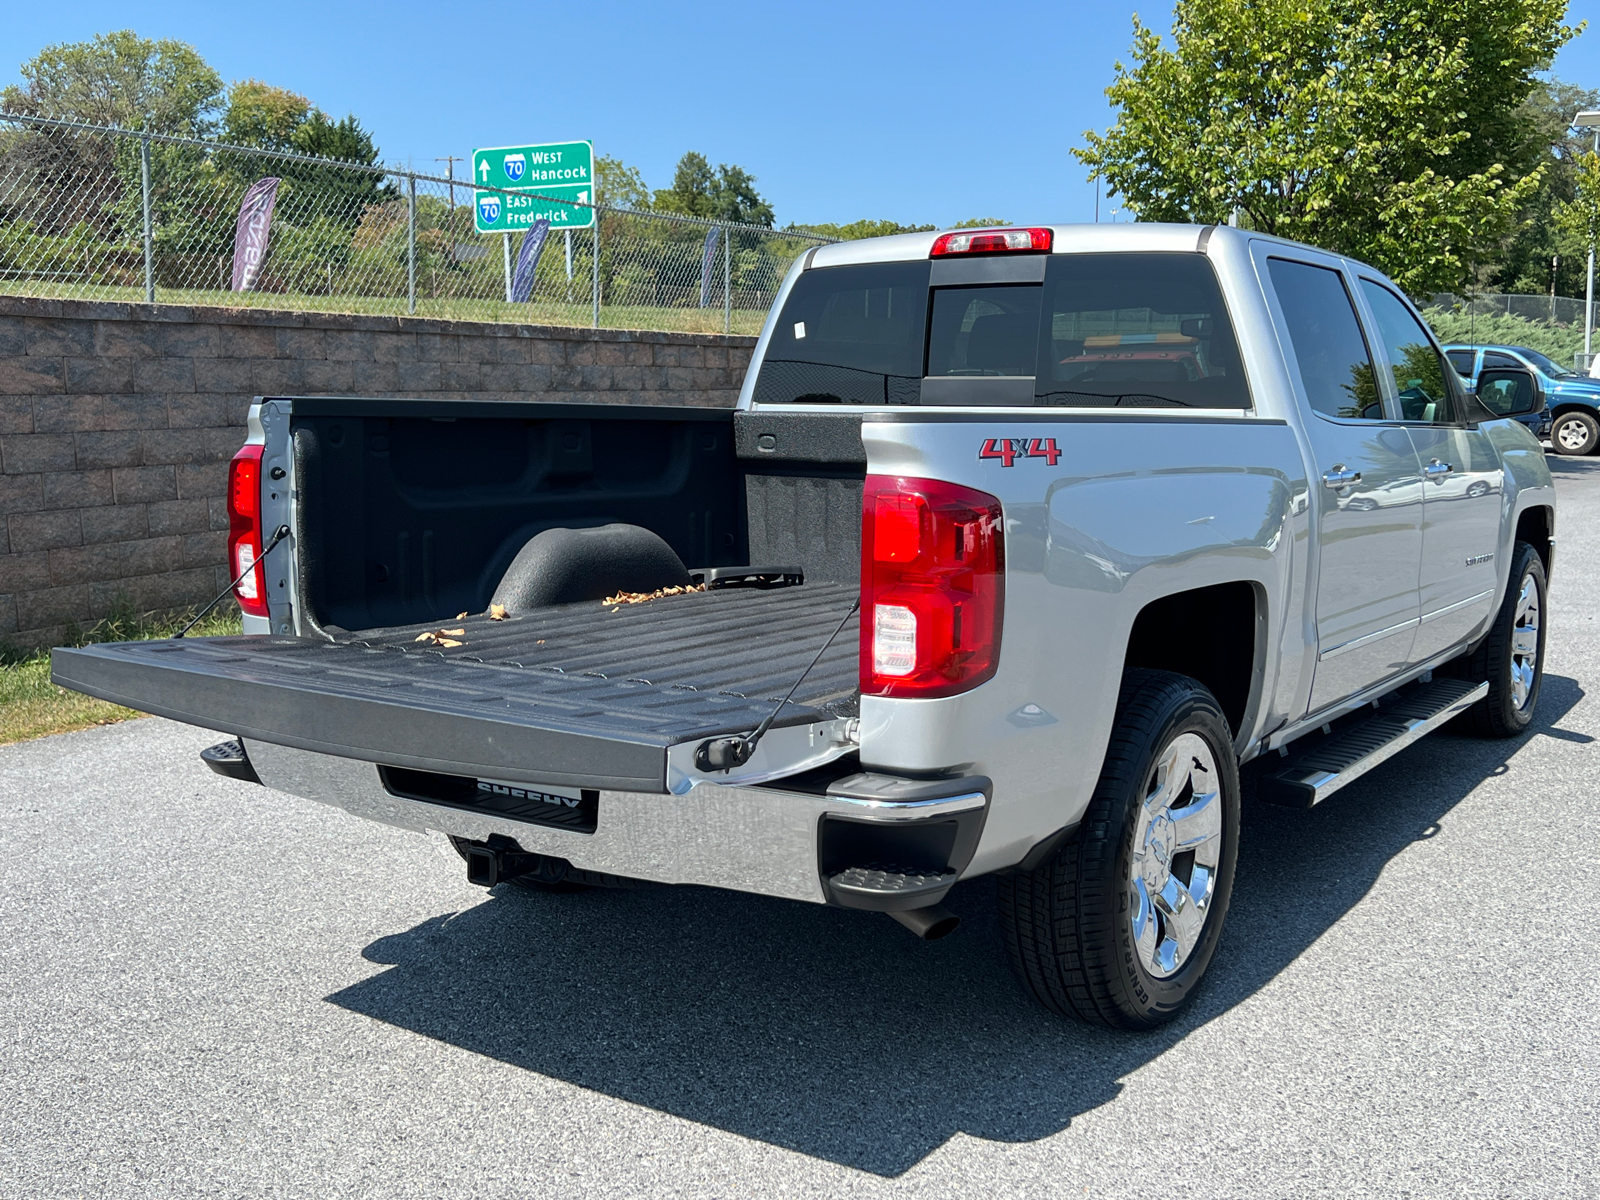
(1572, 435)
(1177, 844)
(1525, 643)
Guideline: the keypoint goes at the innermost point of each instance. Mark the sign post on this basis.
(560, 176)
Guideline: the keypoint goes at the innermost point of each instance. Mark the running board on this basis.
(1321, 770)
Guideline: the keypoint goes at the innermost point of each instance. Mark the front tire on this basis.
(1119, 926)
(1575, 433)
(1511, 658)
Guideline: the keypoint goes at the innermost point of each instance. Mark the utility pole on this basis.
(450, 161)
(1589, 119)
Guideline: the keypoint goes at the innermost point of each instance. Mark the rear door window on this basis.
(1335, 365)
(1137, 331)
(849, 335)
(1461, 360)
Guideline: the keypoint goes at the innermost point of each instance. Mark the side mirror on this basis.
(1509, 392)
(1196, 327)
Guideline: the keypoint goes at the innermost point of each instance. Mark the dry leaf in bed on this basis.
(497, 612)
(442, 637)
(460, 616)
(642, 597)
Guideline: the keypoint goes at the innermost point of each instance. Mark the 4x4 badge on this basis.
(1008, 450)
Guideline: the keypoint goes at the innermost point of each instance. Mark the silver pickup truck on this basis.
(1018, 546)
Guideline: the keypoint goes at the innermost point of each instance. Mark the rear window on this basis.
(1461, 360)
(1103, 330)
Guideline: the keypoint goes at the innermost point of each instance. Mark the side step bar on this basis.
(1312, 776)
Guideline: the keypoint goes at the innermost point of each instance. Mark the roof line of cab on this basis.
(1066, 239)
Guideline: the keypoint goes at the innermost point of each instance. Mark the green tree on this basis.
(121, 79)
(618, 185)
(1385, 129)
(259, 114)
(856, 230)
(312, 191)
(1577, 220)
(1541, 252)
(726, 194)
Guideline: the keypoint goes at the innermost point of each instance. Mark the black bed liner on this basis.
(578, 694)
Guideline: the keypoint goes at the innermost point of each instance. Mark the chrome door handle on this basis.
(1436, 470)
(1340, 476)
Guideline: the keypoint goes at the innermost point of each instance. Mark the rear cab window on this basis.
(1118, 330)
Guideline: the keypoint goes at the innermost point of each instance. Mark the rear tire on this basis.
(1119, 926)
(1511, 658)
(1575, 433)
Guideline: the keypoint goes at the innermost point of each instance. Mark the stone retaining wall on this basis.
(117, 422)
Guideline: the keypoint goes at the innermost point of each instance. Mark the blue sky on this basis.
(931, 112)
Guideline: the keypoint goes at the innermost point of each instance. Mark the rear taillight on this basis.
(244, 530)
(932, 587)
(992, 241)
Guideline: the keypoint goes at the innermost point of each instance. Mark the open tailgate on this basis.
(577, 695)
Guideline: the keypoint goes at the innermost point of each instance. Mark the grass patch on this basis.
(577, 315)
(31, 706)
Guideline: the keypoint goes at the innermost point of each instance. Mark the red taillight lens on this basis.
(932, 587)
(992, 241)
(244, 530)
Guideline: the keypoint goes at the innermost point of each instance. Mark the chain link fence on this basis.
(97, 213)
(1552, 325)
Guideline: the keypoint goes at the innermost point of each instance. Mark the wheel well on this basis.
(1533, 527)
(1563, 409)
(1208, 634)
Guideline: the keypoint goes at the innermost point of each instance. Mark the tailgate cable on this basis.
(725, 753)
(283, 532)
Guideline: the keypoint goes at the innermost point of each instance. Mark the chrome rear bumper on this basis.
(750, 839)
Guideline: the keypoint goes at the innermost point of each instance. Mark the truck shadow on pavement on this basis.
(838, 1035)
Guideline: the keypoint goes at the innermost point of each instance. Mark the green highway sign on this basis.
(555, 172)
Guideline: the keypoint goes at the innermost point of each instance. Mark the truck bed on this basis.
(585, 695)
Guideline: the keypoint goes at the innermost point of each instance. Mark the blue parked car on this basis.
(1571, 419)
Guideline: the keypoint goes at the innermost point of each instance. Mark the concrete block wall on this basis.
(117, 422)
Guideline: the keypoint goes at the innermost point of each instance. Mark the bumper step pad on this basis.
(1318, 771)
(885, 887)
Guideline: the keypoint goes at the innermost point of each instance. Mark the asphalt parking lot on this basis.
(210, 989)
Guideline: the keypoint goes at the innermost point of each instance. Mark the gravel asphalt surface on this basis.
(214, 990)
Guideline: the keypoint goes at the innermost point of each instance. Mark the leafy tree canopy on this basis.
(121, 79)
(261, 115)
(619, 185)
(726, 194)
(856, 230)
(1578, 219)
(1386, 129)
(1543, 251)
(871, 229)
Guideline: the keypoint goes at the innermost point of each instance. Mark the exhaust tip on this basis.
(930, 923)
